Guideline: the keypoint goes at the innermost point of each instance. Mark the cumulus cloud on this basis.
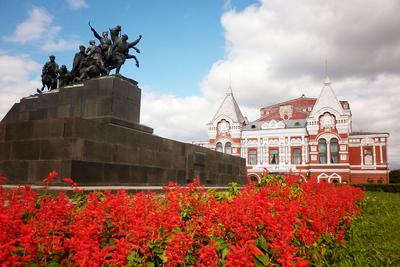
(177, 118)
(19, 75)
(276, 50)
(32, 28)
(40, 30)
(77, 4)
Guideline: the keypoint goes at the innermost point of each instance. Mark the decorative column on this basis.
(328, 152)
(374, 154)
(361, 155)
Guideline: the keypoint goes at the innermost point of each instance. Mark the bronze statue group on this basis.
(94, 61)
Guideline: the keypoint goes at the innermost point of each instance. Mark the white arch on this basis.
(220, 118)
(329, 136)
(303, 178)
(322, 176)
(330, 110)
(253, 174)
(335, 176)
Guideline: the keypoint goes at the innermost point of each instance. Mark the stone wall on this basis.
(84, 132)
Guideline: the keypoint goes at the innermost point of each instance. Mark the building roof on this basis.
(301, 106)
(297, 102)
(230, 108)
(327, 99)
(256, 125)
(366, 133)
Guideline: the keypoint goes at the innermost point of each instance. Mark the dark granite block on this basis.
(116, 173)
(95, 151)
(15, 171)
(87, 172)
(48, 129)
(155, 176)
(28, 104)
(181, 177)
(25, 150)
(19, 131)
(138, 174)
(90, 108)
(55, 149)
(125, 154)
(2, 132)
(64, 110)
(4, 151)
(48, 100)
(40, 169)
(104, 107)
(24, 116)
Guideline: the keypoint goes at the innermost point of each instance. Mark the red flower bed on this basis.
(276, 222)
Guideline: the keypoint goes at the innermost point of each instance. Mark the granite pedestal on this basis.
(91, 132)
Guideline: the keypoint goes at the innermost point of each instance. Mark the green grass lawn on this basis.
(374, 237)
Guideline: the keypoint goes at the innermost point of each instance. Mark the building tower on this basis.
(224, 130)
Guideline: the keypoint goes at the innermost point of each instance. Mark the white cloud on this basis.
(77, 4)
(177, 118)
(40, 30)
(276, 51)
(19, 77)
(56, 45)
(33, 28)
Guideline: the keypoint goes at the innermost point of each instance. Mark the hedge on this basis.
(392, 188)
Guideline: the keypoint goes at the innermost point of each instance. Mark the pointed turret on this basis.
(327, 100)
(230, 108)
(225, 128)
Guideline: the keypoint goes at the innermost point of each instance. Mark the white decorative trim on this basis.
(368, 171)
(273, 124)
(296, 141)
(329, 170)
(328, 165)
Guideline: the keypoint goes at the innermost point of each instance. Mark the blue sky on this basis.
(269, 51)
(181, 39)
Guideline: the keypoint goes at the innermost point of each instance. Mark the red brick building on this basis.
(309, 136)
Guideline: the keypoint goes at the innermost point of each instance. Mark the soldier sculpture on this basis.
(96, 60)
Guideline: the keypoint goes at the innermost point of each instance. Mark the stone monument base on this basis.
(84, 132)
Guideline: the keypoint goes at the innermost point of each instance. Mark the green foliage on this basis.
(262, 259)
(79, 199)
(272, 179)
(233, 190)
(393, 188)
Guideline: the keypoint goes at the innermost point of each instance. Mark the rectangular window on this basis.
(273, 156)
(252, 157)
(368, 156)
(296, 156)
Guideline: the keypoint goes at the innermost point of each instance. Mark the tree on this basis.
(394, 176)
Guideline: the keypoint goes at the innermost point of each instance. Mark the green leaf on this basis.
(263, 259)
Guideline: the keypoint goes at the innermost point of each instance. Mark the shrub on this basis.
(393, 188)
(394, 176)
(278, 222)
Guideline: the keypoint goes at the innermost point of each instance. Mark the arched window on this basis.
(322, 151)
(228, 148)
(219, 147)
(334, 146)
